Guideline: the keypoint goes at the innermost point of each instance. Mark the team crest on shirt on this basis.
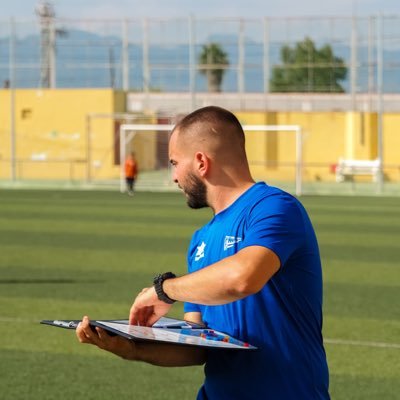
(230, 241)
(200, 251)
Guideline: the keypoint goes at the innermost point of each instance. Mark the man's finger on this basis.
(153, 318)
(133, 316)
(82, 331)
(140, 316)
(142, 302)
(102, 334)
(81, 335)
(87, 329)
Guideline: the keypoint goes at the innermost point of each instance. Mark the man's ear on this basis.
(202, 163)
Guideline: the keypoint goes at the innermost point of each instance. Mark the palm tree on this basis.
(213, 61)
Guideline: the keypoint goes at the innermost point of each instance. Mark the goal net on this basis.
(274, 153)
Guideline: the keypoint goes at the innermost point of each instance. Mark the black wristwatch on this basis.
(158, 286)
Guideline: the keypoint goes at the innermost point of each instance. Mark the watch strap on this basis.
(158, 286)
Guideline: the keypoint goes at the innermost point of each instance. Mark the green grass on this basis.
(65, 254)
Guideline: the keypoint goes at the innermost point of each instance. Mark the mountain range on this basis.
(89, 60)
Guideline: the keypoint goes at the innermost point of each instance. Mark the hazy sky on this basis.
(200, 8)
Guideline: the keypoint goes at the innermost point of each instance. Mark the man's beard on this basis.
(196, 192)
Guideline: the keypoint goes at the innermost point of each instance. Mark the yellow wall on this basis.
(327, 136)
(360, 136)
(323, 141)
(391, 148)
(143, 144)
(51, 125)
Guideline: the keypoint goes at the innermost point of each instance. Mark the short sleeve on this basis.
(191, 307)
(276, 223)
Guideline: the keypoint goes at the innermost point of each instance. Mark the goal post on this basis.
(129, 131)
(126, 133)
(298, 156)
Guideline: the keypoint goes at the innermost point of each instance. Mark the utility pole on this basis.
(45, 11)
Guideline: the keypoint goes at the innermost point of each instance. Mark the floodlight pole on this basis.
(241, 56)
(371, 27)
(266, 61)
(145, 56)
(125, 56)
(46, 14)
(192, 62)
(52, 54)
(379, 53)
(12, 102)
(353, 63)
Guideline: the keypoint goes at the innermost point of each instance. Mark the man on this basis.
(254, 273)
(131, 171)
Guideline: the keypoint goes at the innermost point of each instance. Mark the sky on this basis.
(131, 9)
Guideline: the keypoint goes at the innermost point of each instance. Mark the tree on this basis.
(213, 61)
(308, 69)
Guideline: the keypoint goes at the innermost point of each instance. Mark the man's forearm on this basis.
(212, 285)
(168, 355)
(228, 280)
(162, 354)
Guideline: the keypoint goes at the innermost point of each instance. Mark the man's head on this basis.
(207, 149)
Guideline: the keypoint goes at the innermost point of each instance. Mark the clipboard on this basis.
(165, 330)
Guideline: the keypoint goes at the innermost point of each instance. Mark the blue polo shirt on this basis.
(284, 319)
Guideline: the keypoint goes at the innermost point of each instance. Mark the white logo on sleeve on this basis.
(230, 241)
(200, 251)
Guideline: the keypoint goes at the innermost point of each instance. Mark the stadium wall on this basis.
(51, 131)
(327, 137)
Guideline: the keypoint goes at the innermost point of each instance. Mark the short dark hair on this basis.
(213, 116)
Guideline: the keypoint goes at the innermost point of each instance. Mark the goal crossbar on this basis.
(132, 129)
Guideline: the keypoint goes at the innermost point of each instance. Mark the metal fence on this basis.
(162, 55)
(161, 60)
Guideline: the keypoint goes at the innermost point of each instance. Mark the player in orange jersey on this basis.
(131, 172)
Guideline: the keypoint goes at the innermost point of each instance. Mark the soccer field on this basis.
(66, 254)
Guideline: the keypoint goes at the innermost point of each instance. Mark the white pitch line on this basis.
(363, 343)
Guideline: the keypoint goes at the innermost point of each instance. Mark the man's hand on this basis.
(147, 308)
(115, 344)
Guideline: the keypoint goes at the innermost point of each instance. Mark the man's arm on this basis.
(230, 279)
(164, 355)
